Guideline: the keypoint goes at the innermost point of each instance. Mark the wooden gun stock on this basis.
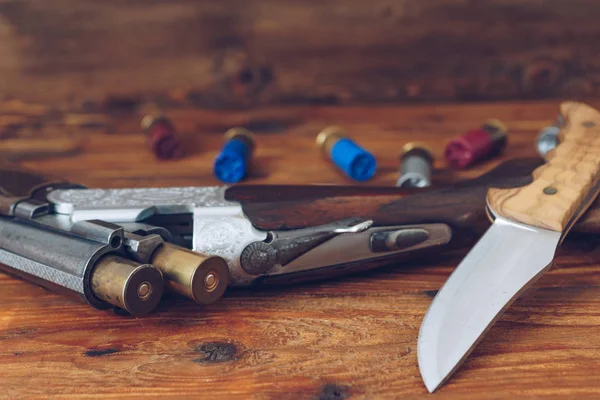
(461, 206)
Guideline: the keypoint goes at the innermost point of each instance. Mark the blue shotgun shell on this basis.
(353, 160)
(232, 163)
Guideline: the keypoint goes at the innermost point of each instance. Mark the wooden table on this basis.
(351, 338)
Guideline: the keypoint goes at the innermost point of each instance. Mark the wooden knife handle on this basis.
(564, 187)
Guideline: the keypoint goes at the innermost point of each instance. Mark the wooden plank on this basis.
(351, 338)
(236, 53)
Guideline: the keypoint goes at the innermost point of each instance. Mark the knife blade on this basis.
(530, 223)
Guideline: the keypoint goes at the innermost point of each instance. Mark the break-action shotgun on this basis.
(115, 246)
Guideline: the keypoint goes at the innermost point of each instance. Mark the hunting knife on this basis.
(529, 223)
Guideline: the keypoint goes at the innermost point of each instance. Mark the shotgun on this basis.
(117, 246)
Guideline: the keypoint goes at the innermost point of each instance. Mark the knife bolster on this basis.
(564, 187)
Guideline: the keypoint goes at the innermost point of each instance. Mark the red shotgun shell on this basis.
(476, 145)
(162, 139)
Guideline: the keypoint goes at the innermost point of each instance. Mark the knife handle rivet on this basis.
(550, 190)
(589, 124)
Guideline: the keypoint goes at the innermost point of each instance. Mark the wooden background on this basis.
(238, 53)
(75, 78)
(353, 338)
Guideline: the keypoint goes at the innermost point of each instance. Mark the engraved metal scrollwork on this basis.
(70, 199)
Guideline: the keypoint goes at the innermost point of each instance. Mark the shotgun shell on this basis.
(476, 145)
(233, 162)
(547, 139)
(128, 285)
(353, 160)
(189, 273)
(416, 164)
(162, 138)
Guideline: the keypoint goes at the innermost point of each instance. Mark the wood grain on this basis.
(237, 53)
(349, 338)
(564, 187)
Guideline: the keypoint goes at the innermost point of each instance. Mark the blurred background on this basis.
(242, 53)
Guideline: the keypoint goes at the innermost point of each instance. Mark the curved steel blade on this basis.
(505, 261)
